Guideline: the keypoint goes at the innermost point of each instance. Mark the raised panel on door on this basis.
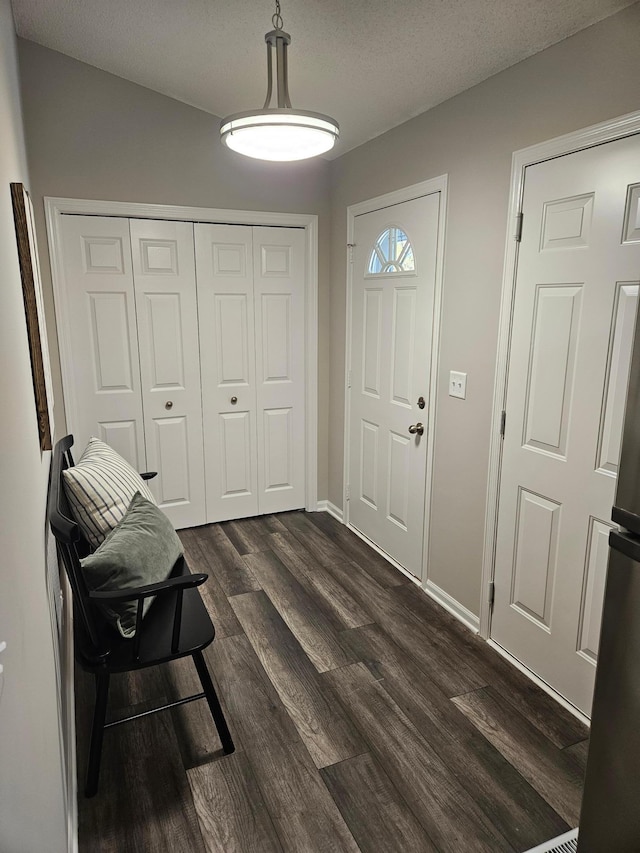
(279, 444)
(369, 454)
(122, 436)
(573, 324)
(595, 572)
(371, 340)
(553, 349)
(398, 488)
(231, 316)
(394, 273)
(165, 289)
(403, 345)
(279, 300)
(224, 263)
(102, 369)
(631, 229)
(535, 557)
(236, 451)
(111, 347)
(613, 401)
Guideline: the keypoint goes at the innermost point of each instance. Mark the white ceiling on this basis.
(370, 64)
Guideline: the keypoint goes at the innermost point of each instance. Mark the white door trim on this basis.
(55, 208)
(597, 134)
(434, 185)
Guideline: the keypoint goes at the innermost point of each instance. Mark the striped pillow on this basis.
(100, 488)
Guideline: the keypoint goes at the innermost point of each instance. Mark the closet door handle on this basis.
(168, 404)
(234, 400)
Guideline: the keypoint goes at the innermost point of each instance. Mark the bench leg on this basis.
(214, 703)
(97, 734)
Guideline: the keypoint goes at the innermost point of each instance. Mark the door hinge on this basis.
(503, 422)
(491, 593)
(348, 379)
(347, 493)
(350, 247)
(518, 234)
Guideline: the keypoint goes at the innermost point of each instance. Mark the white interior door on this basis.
(224, 260)
(394, 269)
(573, 323)
(102, 387)
(279, 297)
(251, 291)
(167, 320)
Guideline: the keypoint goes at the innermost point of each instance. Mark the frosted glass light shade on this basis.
(279, 134)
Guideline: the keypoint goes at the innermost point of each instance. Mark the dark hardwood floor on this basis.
(365, 717)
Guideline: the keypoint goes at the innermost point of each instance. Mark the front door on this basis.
(573, 323)
(391, 332)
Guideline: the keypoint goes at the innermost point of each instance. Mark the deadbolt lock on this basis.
(421, 403)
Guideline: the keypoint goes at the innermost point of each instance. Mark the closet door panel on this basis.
(167, 315)
(224, 262)
(279, 275)
(102, 381)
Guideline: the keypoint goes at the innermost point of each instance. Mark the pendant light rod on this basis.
(278, 41)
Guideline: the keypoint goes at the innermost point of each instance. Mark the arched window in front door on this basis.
(392, 253)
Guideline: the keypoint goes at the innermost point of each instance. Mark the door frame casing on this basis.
(56, 208)
(570, 143)
(410, 193)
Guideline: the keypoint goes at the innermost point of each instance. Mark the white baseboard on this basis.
(443, 598)
(543, 684)
(332, 509)
(449, 603)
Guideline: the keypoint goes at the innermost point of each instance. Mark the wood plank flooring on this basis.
(365, 717)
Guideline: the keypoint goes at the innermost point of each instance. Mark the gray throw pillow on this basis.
(142, 549)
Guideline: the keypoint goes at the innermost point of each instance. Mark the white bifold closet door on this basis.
(166, 309)
(132, 366)
(251, 291)
(99, 335)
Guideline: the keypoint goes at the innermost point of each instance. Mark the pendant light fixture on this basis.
(279, 132)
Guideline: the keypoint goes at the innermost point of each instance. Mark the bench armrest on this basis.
(138, 592)
(177, 584)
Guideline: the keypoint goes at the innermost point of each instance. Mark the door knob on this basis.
(168, 404)
(234, 400)
(416, 429)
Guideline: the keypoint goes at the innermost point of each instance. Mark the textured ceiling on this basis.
(370, 64)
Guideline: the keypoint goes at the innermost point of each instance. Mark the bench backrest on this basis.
(72, 546)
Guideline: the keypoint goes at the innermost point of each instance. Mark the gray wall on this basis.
(93, 135)
(583, 80)
(32, 815)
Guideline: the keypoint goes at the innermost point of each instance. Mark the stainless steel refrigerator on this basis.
(610, 816)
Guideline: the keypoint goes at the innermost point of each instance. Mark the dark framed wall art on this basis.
(34, 311)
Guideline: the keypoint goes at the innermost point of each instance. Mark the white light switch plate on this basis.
(457, 384)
